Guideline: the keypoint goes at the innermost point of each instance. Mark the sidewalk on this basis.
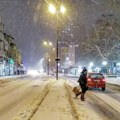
(12, 76)
(55, 106)
(115, 81)
(5, 79)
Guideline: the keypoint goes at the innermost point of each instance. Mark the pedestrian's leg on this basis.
(82, 97)
(78, 94)
(83, 93)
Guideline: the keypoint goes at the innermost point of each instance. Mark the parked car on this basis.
(96, 80)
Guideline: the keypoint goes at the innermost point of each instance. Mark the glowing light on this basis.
(58, 64)
(104, 63)
(62, 9)
(45, 43)
(49, 60)
(53, 49)
(52, 9)
(91, 64)
(118, 64)
(80, 68)
(50, 44)
(32, 72)
(67, 58)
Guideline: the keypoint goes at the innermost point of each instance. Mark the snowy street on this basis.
(59, 59)
(44, 98)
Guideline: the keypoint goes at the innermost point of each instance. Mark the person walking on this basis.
(83, 84)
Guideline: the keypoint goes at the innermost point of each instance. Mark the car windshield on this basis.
(96, 76)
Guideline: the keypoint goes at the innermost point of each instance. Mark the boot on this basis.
(78, 94)
(82, 97)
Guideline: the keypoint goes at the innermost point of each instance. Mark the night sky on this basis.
(25, 21)
(19, 17)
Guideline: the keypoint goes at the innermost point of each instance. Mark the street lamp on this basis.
(105, 66)
(62, 9)
(91, 64)
(45, 43)
(57, 10)
(48, 65)
(104, 62)
(48, 44)
(52, 9)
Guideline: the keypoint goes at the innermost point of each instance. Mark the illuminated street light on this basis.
(50, 44)
(91, 64)
(49, 60)
(104, 63)
(59, 10)
(62, 9)
(52, 9)
(58, 64)
(80, 69)
(67, 58)
(45, 43)
(118, 64)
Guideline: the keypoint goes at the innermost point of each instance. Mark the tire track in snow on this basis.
(113, 103)
(73, 108)
(28, 112)
(22, 95)
(11, 102)
(105, 110)
(15, 85)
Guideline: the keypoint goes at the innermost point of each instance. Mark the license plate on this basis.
(96, 80)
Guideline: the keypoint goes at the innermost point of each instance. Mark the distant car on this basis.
(96, 80)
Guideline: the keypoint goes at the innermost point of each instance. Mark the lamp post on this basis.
(105, 64)
(48, 66)
(48, 44)
(57, 10)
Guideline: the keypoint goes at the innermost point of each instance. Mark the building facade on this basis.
(10, 57)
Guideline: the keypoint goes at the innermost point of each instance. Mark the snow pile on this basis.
(113, 80)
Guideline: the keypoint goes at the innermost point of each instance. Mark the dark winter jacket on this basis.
(82, 79)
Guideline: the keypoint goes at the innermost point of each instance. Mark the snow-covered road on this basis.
(16, 94)
(44, 98)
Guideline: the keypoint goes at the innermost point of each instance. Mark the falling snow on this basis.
(29, 22)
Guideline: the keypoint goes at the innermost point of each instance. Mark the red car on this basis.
(96, 80)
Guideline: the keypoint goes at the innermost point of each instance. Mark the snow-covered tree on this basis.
(104, 40)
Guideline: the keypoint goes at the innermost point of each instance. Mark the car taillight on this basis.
(89, 79)
(103, 79)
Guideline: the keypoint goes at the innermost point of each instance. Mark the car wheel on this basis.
(103, 89)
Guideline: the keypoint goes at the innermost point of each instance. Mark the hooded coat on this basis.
(83, 77)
